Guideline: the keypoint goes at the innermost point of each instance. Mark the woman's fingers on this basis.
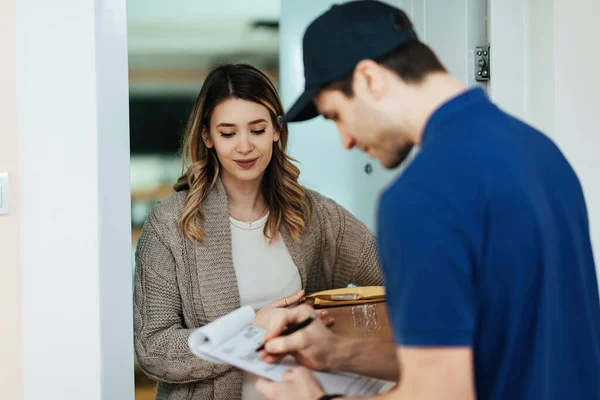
(287, 301)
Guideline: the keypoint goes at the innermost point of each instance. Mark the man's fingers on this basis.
(287, 344)
(288, 317)
(270, 358)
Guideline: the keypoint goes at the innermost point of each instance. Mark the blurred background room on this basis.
(172, 47)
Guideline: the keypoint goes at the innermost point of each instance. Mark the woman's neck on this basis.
(245, 198)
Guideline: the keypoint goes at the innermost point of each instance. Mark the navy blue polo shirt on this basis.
(484, 242)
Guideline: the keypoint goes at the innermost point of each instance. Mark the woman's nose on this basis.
(245, 145)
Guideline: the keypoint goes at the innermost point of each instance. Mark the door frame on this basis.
(506, 34)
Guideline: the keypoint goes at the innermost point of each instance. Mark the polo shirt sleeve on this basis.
(427, 255)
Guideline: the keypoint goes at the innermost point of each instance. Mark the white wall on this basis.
(72, 115)
(11, 342)
(576, 102)
(506, 31)
(538, 107)
(551, 83)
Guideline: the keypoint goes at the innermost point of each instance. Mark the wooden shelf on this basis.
(136, 232)
(147, 195)
(152, 194)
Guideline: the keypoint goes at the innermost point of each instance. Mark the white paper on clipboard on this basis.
(232, 339)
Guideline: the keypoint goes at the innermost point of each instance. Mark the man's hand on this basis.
(299, 384)
(313, 346)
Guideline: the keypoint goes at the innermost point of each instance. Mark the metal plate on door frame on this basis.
(482, 63)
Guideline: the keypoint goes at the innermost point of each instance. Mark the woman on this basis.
(240, 230)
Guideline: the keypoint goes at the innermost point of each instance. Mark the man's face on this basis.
(361, 123)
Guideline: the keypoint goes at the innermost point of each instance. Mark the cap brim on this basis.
(303, 108)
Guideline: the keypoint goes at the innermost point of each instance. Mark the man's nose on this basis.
(348, 140)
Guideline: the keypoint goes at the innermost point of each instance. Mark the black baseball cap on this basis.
(338, 40)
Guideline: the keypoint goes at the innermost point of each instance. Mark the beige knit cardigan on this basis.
(181, 285)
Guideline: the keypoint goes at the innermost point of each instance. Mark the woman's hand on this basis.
(265, 315)
(299, 384)
(286, 301)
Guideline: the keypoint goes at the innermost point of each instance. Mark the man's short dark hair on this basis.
(412, 61)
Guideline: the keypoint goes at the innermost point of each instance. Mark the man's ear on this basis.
(371, 78)
(206, 137)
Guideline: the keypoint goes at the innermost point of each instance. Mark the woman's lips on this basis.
(246, 164)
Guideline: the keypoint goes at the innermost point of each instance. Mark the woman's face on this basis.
(242, 135)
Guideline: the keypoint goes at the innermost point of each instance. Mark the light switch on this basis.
(4, 193)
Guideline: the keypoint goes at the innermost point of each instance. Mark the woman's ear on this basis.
(278, 129)
(206, 137)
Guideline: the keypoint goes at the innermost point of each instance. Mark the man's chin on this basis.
(395, 160)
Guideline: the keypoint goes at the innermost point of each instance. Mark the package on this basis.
(362, 321)
(359, 312)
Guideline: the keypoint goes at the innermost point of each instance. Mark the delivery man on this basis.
(484, 240)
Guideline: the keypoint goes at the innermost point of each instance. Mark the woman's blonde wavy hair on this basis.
(285, 197)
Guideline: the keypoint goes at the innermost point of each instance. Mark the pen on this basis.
(291, 329)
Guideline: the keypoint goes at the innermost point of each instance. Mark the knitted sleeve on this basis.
(159, 331)
(349, 248)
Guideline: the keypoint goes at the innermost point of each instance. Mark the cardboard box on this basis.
(359, 312)
(361, 321)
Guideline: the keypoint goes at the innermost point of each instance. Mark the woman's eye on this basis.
(259, 131)
(227, 134)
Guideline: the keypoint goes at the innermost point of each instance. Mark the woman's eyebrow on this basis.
(227, 124)
(256, 121)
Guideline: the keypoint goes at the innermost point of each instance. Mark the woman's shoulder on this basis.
(168, 209)
(329, 212)
(321, 203)
(324, 210)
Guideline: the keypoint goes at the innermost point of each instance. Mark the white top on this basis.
(265, 272)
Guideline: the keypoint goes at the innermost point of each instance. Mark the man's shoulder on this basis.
(396, 199)
(433, 172)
